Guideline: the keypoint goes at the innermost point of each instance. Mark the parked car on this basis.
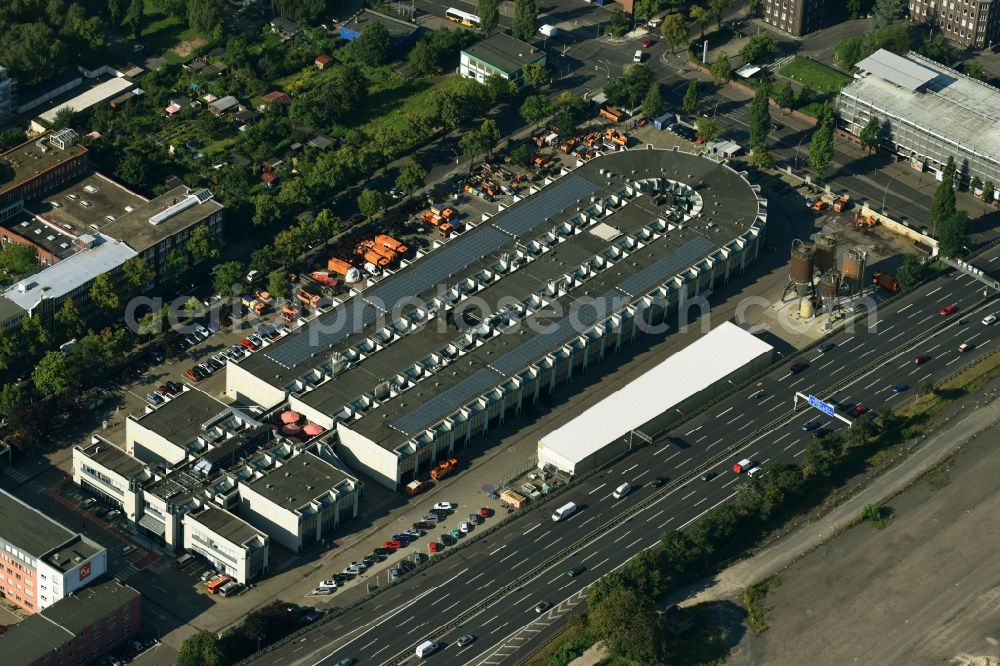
(446, 506)
(154, 398)
(456, 533)
(485, 512)
(126, 549)
(201, 331)
(475, 519)
(256, 340)
(87, 503)
(208, 574)
(193, 374)
(392, 544)
(250, 344)
(236, 351)
(433, 547)
(331, 583)
(465, 527)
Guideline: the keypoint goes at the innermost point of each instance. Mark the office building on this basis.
(932, 112)
(796, 17)
(41, 561)
(972, 24)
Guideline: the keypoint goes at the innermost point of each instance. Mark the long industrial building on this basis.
(701, 371)
(932, 112)
(406, 371)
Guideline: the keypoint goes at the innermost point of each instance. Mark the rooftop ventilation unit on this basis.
(178, 207)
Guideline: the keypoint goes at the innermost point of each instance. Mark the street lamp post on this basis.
(795, 163)
(886, 192)
(455, 153)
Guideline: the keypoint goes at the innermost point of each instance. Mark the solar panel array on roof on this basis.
(435, 267)
(658, 272)
(447, 401)
(897, 70)
(560, 332)
(528, 214)
(321, 334)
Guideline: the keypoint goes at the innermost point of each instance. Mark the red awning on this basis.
(312, 430)
(290, 417)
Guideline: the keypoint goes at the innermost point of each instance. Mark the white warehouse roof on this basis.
(710, 359)
(99, 93)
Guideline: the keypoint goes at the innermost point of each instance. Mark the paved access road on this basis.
(411, 611)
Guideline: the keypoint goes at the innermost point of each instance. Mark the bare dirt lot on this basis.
(923, 590)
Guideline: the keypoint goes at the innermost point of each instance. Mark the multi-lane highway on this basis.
(863, 367)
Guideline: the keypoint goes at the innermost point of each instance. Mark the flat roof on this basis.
(28, 160)
(504, 52)
(48, 236)
(111, 457)
(72, 272)
(897, 70)
(951, 105)
(30, 530)
(179, 420)
(394, 26)
(298, 481)
(708, 360)
(172, 213)
(99, 93)
(226, 525)
(88, 200)
(37, 635)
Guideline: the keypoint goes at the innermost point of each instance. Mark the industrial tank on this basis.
(826, 252)
(800, 267)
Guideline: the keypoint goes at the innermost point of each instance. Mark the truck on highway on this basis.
(426, 649)
(564, 512)
(887, 281)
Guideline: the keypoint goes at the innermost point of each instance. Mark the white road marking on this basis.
(725, 412)
(931, 293)
(532, 529)
(655, 515)
(597, 488)
(714, 443)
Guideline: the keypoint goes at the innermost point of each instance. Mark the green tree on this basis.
(718, 7)
(227, 275)
(721, 69)
(988, 192)
(501, 89)
(536, 74)
(821, 458)
(760, 118)
(910, 272)
(525, 18)
(643, 10)
(652, 105)
(673, 31)
(372, 46)
(853, 8)
(424, 59)
(887, 12)
(370, 202)
(821, 149)
(536, 108)
(116, 11)
(937, 48)
(759, 48)
(265, 210)
(784, 96)
(12, 398)
(691, 98)
(943, 201)
(105, 295)
(411, 177)
(975, 184)
(489, 136)
(137, 275)
(35, 335)
(133, 19)
(277, 284)
(201, 649)
(626, 621)
(18, 259)
(521, 156)
(52, 374)
(172, 274)
(631, 87)
(975, 70)
(707, 129)
(949, 167)
(618, 25)
(9, 349)
(206, 17)
(952, 234)
(202, 244)
(701, 16)
(69, 320)
(871, 513)
(871, 134)
(488, 12)
(64, 118)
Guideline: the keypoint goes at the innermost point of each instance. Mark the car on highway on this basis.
(754, 471)
(576, 571)
(445, 506)
(858, 410)
(826, 346)
(921, 359)
(798, 367)
(947, 310)
(708, 476)
(347, 661)
(464, 640)
(966, 346)
(989, 319)
(646, 43)
(542, 606)
(810, 425)
(622, 490)
(659, 481)
(899, 388)
(820, 433)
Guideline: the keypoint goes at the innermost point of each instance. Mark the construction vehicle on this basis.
(612, 114)
(343, 268)
(819, 205)
(416, 487)
(289, 314)
(263, 297)
(616, 137)
(841, 204)
(324, 278)
(540, 161)
(864, 222)
(444, 468)
(391, 243)
(312, 300)
(374, 255)
(255, 306)
(569, 145)
(441, 217)
(887, 281)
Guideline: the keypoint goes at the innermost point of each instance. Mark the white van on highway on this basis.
(563, 512)
(622, 490)
(426, 649)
